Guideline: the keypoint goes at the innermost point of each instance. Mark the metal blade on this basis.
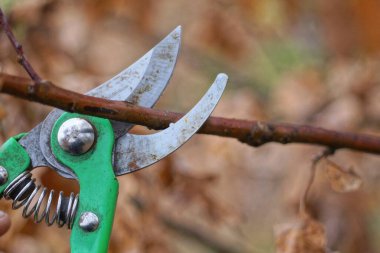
(144, 81)
(134, 152)
(141, 83)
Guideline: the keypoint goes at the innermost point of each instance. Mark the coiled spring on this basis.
(24, 191)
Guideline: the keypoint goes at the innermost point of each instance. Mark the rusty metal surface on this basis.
(142, 83)
(134, 152)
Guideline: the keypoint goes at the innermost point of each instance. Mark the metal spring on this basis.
(23, 191)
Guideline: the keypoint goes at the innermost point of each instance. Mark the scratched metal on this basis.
(134, 152)
(142, 83)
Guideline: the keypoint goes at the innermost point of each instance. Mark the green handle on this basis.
(98, 185)
(14, 159)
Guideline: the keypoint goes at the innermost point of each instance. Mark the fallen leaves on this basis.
(3, 113)
(342, 179)
(304, 235)
(230, 189)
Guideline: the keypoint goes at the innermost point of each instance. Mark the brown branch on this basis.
(254, 133)
(18, 48)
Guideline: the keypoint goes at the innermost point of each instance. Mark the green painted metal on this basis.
(97, 181)
(14, 159)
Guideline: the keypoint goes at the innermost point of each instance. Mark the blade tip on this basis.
(222, 76)
(174, 36)
(221, 79)
(177, 32)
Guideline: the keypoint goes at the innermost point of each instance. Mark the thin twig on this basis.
(21, 58)
(327, 152)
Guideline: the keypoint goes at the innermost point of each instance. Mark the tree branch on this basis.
(21, 58)
(254, 133)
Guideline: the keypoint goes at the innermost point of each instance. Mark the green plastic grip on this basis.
(14, 159)
(97, 181)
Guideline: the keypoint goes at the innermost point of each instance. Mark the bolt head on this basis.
(76, 136)
(88, 221)
(3, 175)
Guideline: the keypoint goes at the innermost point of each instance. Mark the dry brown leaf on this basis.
(341, 179)
(3, 113)
(304, 235)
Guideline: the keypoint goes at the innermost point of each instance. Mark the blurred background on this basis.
(309, 62)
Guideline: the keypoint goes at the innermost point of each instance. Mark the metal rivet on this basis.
(76, 136)
(88, 221)
(3, 175)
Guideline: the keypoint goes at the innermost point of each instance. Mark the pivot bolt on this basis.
(3, 175)
(88, 221)
(76, 136)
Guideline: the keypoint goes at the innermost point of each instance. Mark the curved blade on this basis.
(134, 152)
(141, 83)
(144, 81)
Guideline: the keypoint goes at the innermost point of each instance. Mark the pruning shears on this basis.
(94, 150)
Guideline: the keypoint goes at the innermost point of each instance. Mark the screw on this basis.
(3, 175)
(88, 221)
(76, 136)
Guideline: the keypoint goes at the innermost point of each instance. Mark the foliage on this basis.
(308, 62)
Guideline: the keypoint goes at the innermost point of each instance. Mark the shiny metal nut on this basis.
(88, 221)
(76, 136)
(3, 175)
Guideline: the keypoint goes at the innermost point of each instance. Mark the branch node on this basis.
(260, 134)
(32, 89)
(18, 47)
(20, 59)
